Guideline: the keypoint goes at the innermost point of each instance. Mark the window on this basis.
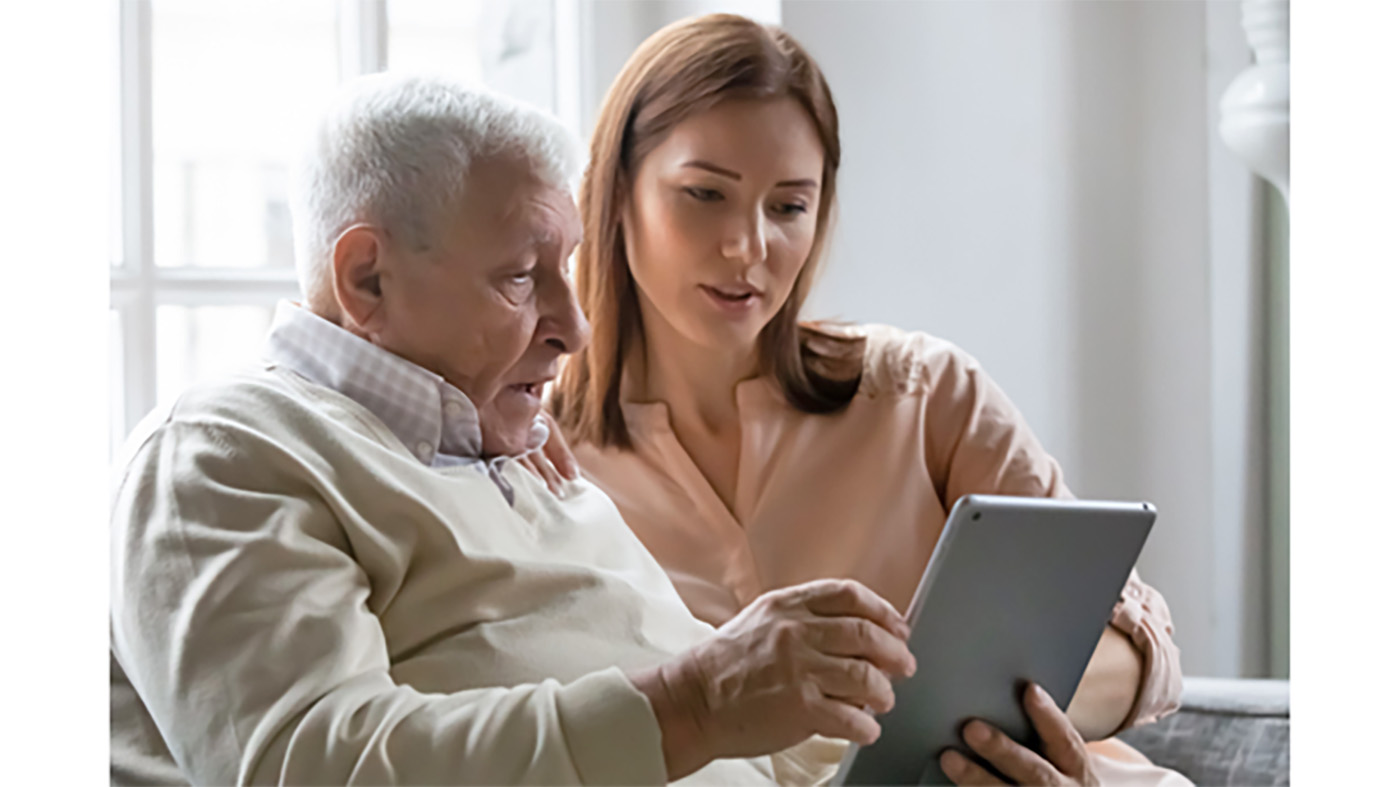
(214, 94)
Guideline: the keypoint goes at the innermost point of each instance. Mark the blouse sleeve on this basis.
(977, 442)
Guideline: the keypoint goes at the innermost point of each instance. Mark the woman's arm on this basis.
(1109, 688)
(977, 442)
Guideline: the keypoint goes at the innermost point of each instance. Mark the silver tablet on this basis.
(1017, 589)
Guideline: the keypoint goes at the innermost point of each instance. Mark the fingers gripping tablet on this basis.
(1017, 590)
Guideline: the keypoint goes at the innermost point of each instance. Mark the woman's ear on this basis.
(357, 261)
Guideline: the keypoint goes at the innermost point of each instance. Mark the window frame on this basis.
(139, 287)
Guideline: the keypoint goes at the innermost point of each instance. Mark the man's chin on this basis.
(512, 439)
(512, 444)
(508, 424)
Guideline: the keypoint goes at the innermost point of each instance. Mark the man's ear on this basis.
(357, 262)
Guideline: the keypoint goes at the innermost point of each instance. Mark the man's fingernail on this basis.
(1040, 693)
(978, 733)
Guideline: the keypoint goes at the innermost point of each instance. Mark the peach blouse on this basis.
(864, 493)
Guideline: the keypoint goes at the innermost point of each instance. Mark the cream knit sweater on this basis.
(297, 599)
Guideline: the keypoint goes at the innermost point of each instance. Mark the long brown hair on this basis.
(681, 70)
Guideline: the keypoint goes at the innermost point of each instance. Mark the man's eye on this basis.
(519, 285)
(704, 194)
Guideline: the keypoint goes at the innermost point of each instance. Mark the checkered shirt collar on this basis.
(429, 415)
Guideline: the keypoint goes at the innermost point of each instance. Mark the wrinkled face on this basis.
(489, 306)
(721, 218)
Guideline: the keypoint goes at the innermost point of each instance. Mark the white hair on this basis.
(395, 151)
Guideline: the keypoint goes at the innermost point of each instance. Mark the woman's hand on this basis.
(553, 462)
(1065, 760)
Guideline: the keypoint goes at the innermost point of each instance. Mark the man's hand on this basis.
(1065, 760)
(796, 662)
(554, 461)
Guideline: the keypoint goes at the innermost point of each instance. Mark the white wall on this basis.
(612, 29)
(1042, 184)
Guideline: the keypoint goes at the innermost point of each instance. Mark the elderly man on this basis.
(330, 570)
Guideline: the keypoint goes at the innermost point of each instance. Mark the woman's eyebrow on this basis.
(715, 168)
(731, 174)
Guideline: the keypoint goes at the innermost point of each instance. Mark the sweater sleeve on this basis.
(240, 614)
(812, 762)
(978, 442)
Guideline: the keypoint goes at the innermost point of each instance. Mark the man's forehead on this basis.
(570, 226)
(509, 196)
(546, 216)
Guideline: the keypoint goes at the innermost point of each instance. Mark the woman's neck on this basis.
(697, 383)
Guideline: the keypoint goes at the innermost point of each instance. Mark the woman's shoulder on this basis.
(898, 361)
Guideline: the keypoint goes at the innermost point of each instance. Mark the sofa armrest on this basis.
(1227, 732)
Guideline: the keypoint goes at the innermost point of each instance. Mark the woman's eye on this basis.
(792, 208)
(704, 194)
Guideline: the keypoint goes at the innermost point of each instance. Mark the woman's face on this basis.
(721, 219)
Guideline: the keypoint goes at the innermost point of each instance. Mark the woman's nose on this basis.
(745, 241)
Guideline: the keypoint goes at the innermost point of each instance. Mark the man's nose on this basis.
(744, 240)
(563, 322)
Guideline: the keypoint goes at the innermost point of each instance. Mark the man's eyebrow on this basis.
(539, 237)
(524, 245)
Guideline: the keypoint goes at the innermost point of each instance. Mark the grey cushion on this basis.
(1228, 732)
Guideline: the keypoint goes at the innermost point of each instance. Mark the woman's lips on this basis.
(733, 301)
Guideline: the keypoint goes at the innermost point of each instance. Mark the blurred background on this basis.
(1041, 182)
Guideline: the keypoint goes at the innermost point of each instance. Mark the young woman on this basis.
(749, 450)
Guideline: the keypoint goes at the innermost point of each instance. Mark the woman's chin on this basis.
(727, 336)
